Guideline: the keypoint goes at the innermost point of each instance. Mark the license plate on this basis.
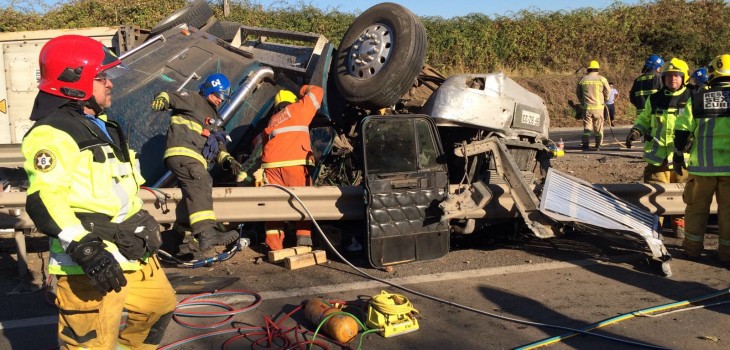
(530, 118)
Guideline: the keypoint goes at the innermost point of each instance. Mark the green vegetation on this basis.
(550, 45)
(620, 36)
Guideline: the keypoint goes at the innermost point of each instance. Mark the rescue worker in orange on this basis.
(287, 153)
(84, 186)
(193, 141)
(592, 92)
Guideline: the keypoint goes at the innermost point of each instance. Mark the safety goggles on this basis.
(221, 95)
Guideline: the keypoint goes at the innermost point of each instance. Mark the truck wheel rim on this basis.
(371, 51)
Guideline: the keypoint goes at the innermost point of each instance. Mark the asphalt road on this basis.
(572, 282)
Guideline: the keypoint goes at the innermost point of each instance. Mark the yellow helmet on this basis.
(594, 65)
(719, 67)
(284, 96)
(676, 65)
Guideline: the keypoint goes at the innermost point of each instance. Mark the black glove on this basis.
(98, 264)
(161, 102)
(634, 135)
(678, 163)
(230, 163)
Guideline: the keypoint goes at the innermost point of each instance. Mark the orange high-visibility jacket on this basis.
(286, 141)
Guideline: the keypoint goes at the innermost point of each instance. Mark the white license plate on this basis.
(530, 118)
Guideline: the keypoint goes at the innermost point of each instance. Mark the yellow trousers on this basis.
(87, 320)
(698, 197)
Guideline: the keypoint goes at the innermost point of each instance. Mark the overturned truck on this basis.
(403, 152)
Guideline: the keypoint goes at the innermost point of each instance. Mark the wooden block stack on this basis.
(298, 257)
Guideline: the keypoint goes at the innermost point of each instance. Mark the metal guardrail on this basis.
(231, 204)
(247, 204)
(10, 155)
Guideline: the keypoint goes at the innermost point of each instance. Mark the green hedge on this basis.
(524, 43)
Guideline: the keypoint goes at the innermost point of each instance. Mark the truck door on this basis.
(405, 180)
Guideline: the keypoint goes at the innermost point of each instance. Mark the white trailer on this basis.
(21, 73)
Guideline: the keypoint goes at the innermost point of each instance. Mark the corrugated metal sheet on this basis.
(566, 198)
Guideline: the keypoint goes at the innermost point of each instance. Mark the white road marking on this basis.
(440, 277)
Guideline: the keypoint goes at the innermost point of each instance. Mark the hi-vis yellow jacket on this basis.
(73, 167)
(657, 121)
(707, 119)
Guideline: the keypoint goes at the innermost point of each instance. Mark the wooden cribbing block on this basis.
(306, 259)
(279, 255)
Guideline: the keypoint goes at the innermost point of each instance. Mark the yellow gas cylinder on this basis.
(342, 328)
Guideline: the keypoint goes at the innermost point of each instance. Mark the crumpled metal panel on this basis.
(490, 101)
(566, 198)
(404, 227)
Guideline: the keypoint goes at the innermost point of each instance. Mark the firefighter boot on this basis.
(275, 239)
(599, 142)
(303, 240)
(210, 237)
(678, 227)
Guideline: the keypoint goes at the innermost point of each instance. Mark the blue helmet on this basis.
(216, 84)
(700, 75)
(654, 62)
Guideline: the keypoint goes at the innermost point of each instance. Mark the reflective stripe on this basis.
(60, 263)
(645, 92)
(651, 154)
(194, 126)
(709, 151)
(69, 234)
(693, 238)
(287, 163)
(273, 232)
(201, 216)
(709, 169)
(314, 100)
(296, 128)
(187, 152)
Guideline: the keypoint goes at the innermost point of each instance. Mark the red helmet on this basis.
(69, 64)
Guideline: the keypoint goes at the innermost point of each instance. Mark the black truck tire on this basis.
(229, 30)
(195, 14)
(213, 27)
(380, 56)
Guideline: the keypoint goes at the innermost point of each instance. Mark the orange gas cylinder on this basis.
(342, 328)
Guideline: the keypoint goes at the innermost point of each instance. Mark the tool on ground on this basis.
(342, 328)
(393, 314)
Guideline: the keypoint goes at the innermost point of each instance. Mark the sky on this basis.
(452, 8)
(443, 8)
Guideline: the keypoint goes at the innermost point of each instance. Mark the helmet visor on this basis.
(223, 94)
(111, 67)
(114, 72)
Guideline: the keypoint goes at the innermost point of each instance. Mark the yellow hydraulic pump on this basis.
(393, 314)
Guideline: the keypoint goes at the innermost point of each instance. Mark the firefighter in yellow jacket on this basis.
(703, 130)
(84, 182)
(592, 92)
(656, 122)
